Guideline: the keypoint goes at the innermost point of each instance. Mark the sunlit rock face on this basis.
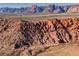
(73, 9)
(18, 36)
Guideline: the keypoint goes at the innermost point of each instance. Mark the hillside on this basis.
(73, 9)
(23, 37)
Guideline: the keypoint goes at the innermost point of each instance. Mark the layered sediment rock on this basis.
(19, 37)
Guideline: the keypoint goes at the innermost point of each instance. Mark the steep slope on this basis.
(19, 37)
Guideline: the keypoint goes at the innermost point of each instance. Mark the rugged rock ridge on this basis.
(19, 37)
(73, 9)
(34, 9)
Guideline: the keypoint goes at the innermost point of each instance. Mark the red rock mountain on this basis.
(72, 9)
(19, 37)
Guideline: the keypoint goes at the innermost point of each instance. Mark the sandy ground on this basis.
(62, 50)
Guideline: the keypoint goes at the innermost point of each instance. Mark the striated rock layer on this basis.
(19, 37)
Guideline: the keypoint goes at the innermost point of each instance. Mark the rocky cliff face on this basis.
(19, 37)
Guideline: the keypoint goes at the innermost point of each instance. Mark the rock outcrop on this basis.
(19, 37)
(73, 9)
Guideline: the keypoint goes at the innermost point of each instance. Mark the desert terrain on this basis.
(39, 34)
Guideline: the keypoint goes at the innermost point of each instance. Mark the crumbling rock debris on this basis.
(19, 37)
